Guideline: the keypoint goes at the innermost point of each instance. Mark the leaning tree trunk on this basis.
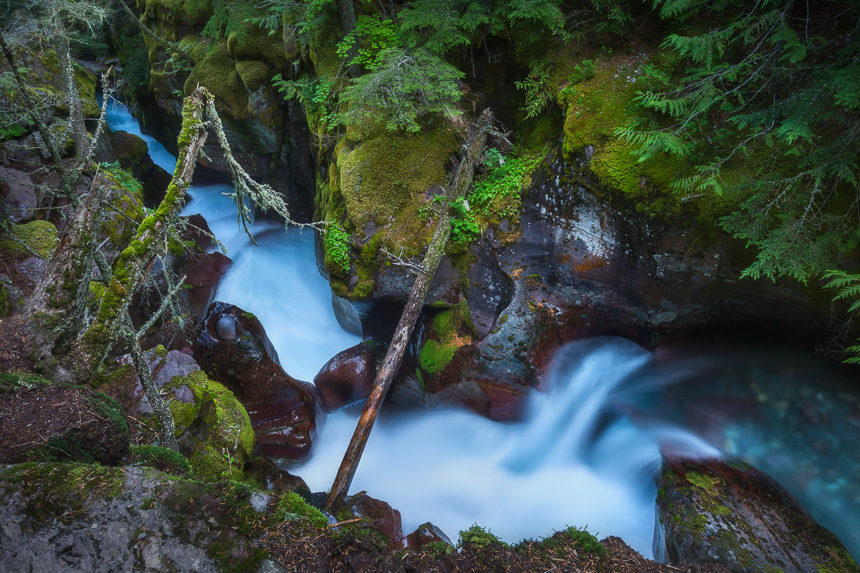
(135, 261)
(476, 138)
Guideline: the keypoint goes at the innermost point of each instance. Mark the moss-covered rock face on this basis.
(36, 237)
(380, 189)
(220, 439)
(732, 514)
(212, 426)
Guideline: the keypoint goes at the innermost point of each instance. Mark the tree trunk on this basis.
(473, 147)
(166, 427)
(135, 261)
(76, 114)
(346, 10)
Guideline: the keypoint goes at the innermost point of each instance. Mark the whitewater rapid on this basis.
(588, 450)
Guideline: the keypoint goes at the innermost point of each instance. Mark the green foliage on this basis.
(314, 94)
(160, 458)
(441, 25)
(401, 87)
(293, 507)
(760, 84)
(505, 180)
(337, 248)
(464, 227)
(585, 542)
(847, 287)
(372, 36)
(479, 538)
(538, 95)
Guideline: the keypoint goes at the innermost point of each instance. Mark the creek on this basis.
(588, 451)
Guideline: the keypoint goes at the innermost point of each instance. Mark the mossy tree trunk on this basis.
(135, 261)
(64, 57)
(461, 178)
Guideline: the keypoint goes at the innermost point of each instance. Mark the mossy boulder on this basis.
(220, 440)
(380, 190)
(212, 426)
(729, 513)
(39, 237)
(42, 421)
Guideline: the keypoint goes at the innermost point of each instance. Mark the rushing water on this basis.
(277, 280)
(588, 450)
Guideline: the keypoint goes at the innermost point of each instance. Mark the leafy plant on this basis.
(464, 227)
(758, 84)
(847, 287)
(337, 248)
(401, 87)
(372, 36)
(538, 95)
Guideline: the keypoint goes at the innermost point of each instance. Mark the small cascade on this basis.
(588, 451)
(277, 280)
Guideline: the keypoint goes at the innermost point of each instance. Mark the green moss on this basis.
(383, 180)
(15, 381)
(293, 507)
(217, 73)
(443, 340)
(707, 483)
(40, 236)
(478, 538)
(253, 73)
(160, 458)
(224, 438)
(60, 491)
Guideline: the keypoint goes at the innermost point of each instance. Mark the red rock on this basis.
(283, 410)
(425, 534)
(347, 377)
(382, 516)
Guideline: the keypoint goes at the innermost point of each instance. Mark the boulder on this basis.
(40, 421)
(347, 377)
(714, 511)
(18, 192)
(425, 534)
(232, 347)
(212, 426)
(378, 515)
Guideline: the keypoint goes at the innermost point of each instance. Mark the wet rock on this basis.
(381, 516)
(727, 512)
(43, 422)
(275, 479)
(282, 409)
(347, 377)
(202, 272)
(425, 534)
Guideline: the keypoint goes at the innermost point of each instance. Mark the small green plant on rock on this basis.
(337, 249)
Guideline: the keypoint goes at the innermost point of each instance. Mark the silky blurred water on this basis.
(588, 450)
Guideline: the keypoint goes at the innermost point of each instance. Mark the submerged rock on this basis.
(233, 348)
(727, 512)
